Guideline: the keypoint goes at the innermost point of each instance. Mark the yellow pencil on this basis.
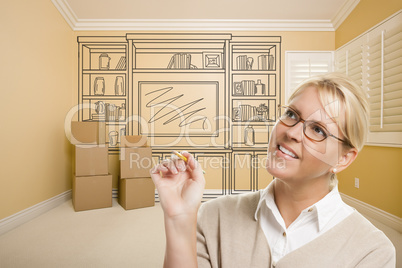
(182, 157)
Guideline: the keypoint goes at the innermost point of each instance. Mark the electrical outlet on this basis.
(357, 182)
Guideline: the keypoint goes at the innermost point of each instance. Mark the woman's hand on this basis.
(180, 186)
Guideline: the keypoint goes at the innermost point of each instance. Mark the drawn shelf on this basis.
(104, 110)
(180, 61)
(255, 85)
(246, 110)
(249, 57)
(103, 72)
(165, 70)
(179, 52)
(97, 84)
(103, 97)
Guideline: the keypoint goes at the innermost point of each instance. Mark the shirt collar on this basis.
(324, 208)
(266, 196)
(327, 207)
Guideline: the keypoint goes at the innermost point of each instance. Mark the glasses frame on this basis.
(304, 125)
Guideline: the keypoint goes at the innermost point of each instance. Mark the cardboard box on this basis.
(92, 192)
(91, 160)
(134, 141)
(88, 132)
(136, 193)
(135, 162)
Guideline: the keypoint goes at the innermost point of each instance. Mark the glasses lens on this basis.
(288, 116)
(315, 131)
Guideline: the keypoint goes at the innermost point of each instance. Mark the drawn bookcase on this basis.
(102, 83)
(255, 94)
(214, 95)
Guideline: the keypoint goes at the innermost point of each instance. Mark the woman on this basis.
(299, 220)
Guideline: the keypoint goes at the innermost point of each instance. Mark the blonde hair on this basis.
(336, 88)
(337, 91)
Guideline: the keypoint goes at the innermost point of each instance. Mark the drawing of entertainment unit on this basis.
(214, 94)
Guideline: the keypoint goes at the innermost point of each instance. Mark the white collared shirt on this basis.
(311, 223)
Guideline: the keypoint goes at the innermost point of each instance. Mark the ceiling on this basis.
(315, 15)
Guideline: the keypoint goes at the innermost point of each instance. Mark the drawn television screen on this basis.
(176, 108)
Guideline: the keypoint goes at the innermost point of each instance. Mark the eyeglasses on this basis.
(311, 129)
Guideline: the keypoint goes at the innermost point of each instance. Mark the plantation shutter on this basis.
(350, 61)
(374, 61)
(304, 64)
(384, 54)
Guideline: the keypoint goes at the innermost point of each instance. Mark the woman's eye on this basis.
(290, 114)
(318, 130)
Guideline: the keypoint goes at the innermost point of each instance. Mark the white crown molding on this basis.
(202, 25)
(66, 11)
(187, 24)
(344, 12)
(30, 213)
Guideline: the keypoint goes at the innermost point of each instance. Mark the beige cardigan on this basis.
(229, 236)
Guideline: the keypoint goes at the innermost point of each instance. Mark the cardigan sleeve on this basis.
(383, 256)
(202, 252)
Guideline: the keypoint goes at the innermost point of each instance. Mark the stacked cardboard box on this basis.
(136, 188)
(92, 183)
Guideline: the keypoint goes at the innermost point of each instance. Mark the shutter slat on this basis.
(394, 63)
(374, 58)
(374, 70)
(375, 96)
(374, 79)
(388, 104)
(387, 120)
(393, 45)
(394, 34)
(392, 77)
(392, 54)
(387, 128)
(396, 111)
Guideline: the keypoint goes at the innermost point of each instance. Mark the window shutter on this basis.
(355, 63)
(374, 61)
(384, 68)
(350, 61)
(304, 64)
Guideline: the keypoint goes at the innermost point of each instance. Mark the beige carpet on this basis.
(110, 237)
(102, 238)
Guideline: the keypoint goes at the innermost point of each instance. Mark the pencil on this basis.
(182, 157)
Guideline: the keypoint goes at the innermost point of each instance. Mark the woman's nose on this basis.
(296, 132)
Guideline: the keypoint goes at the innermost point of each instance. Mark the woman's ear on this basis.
(347, 157)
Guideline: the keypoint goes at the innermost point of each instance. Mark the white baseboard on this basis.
(377, 214)
(30, 213)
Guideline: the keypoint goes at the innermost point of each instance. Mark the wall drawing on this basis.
(177, 107)
(214, 95)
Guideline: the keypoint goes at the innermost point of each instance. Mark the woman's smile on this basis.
(286, 153)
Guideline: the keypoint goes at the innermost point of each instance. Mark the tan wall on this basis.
(379, 171)
(378, 168)
(36, 93)
(367, 14)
